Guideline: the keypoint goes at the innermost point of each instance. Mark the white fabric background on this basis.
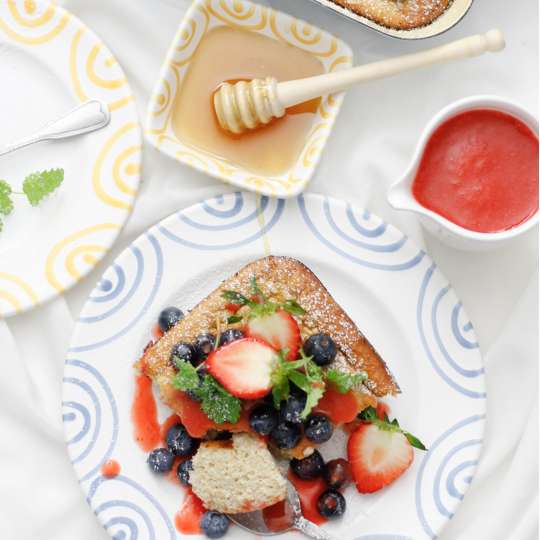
(371, 145)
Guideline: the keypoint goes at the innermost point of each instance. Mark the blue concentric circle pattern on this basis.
(389, 286)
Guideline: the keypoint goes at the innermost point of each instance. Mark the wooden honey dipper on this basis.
(246, 105)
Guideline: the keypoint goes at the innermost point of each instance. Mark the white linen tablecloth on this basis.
(371, 145)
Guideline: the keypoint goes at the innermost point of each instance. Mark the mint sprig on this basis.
(36, 187)
(304, 374)
(219, 405)
(262, 306)
(370, 415)
(344, 382)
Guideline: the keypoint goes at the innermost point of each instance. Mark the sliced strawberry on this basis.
(382, 410)
(377, 457)
(244, 367)
(279, 330)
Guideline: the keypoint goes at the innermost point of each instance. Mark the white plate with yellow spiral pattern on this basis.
(49, 62)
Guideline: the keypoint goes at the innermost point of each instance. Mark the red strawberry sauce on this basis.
(146, 428)
(188, 518)
(340, 408)
(480, 171)
(309, 492)
(110, 468)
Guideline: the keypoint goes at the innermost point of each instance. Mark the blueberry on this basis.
(204, 345)
(263, 419)
(179, 441)
(291, 410)
(230, 335)
(214, 524)
(309, 467)
(160, 460)
(337, 473)
(318, 428)
(184, 351)
(322, 348)
(169, 317)
(331, 504)
(183, 470)
(286, 435)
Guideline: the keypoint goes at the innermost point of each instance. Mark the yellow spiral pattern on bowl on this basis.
(15, 293)
(206, 15)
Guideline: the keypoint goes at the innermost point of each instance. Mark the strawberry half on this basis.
(377, 457)
(243, 367)
(279, 329)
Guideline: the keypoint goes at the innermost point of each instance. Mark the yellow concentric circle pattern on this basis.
(103, 186)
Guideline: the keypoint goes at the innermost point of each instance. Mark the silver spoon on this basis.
(254, 521)
(84, 118)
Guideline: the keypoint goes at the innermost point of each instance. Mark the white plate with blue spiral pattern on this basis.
(391, 289)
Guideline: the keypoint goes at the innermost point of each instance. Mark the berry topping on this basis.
(377, 456)
(204, 345)
(160, 460)
(184, 351)
(263, 419)
(214, 524)
(322, 348)
(169, 317)
(331, 504)
(286, 435)
(318, 428)
(230, 335)
(337, 473)
(179, 441)
(308, 468)
(279, 329)
(291, 409)
(244, 367)
(183, 470)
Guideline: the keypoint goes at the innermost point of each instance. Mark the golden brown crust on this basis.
(279, 278)
(397, 14)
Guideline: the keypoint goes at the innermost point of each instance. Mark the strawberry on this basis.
(279, 329)
(244, 367)
(377, 456)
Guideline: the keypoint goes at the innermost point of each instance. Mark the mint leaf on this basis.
(304, 374)
(236, 298)
(233, 319)
(38, 185)
(262, 310)
(217, 403)
(293, 307)
(187, 377)
(6, 204)
(256, 290)
(370, 415)
(344, 382)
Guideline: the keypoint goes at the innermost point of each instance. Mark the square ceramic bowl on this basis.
(205, 15)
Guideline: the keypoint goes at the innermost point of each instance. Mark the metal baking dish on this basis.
(454, 13)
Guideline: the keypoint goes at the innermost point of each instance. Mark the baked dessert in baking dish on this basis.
(397, 14)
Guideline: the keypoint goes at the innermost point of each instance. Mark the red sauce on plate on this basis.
(340, 408)
(146, 428)
(480, 171)
(277, 517)
(187, 520)
(110, 468)
(309, 492)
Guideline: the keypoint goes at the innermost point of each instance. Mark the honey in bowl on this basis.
(229, 54)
